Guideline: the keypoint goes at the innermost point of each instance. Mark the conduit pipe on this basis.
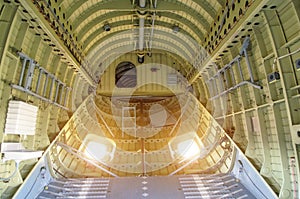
(142, 4)
(152, 28)
(141, 33)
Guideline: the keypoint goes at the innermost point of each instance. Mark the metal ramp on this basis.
(158, 187)
(213, 186)
(225, 80)
(80, 188)
(129, 120)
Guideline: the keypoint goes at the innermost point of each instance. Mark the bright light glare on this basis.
(95, 150)
(188, 149)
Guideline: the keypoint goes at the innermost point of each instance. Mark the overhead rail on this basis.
(231, 80)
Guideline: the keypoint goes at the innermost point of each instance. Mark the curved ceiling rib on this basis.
(209, 16)
(166, 45)
(95, 41)
(80, 13)
(187, 43)
(200, 9)
(86, 18)
(181, 36)
(188, 23)
(100, 37)
(77, 6)
(97, 31)
(120, 43)
(207, 7)
(84, 24)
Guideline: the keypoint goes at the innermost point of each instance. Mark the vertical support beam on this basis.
(266, 167)
(211, 87)
(8, 18)
(29, 75)
(244, 51)
(232, 76)
(51, 87)
(23, 70)
(277, 38)
(39, 79)
(45, 85)
(61, 93)
(215, 86)
(143, 152)
(227, 86)
(296, 4)
(219, 80)
(66, 95)
(222, 88)
(240, 69)
(56, 91)
(248, 66)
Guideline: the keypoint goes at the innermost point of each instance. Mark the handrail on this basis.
(238, 151)
(42, 159)
(100, 114)
(196, 157)
(229, 67)
(79, 154)
(181, 114)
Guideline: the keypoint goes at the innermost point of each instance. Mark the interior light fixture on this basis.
(106, 27)
(96, 150)
(186, 146)
(188, 149)
(99, 148)
(175, 29)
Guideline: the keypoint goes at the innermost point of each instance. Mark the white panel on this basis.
(11, 146)
(255, 124)
(172, 79)
(21, 118)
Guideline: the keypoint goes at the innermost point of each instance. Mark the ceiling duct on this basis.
(141, 53)
(172, 79)
(141, 32)
(142, 14)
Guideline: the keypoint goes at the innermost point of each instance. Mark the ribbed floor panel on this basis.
(157, 187)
